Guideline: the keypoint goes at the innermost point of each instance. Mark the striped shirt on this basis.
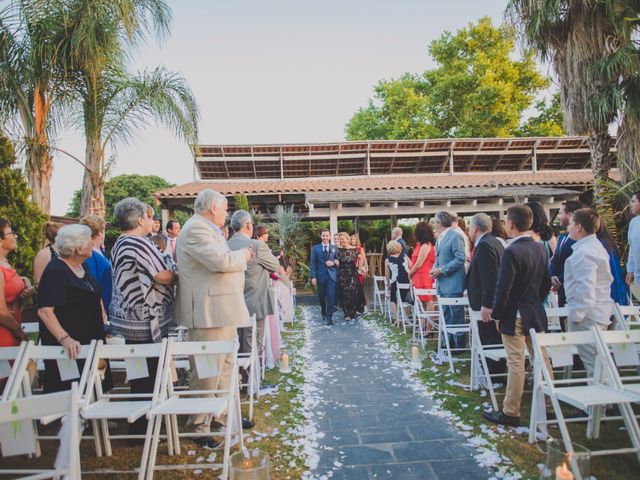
(141, 309)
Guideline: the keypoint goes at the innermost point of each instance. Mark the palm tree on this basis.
(291, 233)
(111, 102)
(31, 87)
(574, 36)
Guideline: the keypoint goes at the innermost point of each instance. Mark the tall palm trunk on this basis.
(39, 162)
(92, 200)
(629, 147)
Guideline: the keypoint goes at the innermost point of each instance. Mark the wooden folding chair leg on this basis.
(106, 441)
(170, 435)
(96, 437)
(176, 434)
(154, 446)
(144, 459)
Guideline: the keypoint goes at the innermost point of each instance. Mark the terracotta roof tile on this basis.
(382, 182)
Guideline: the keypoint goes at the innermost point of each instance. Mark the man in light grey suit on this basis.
(257, 283)
(210, 297)
(449, 270)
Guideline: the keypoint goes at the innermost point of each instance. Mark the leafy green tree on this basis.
(547, 123)
(123, 186)
(476, 90)
(24, 215)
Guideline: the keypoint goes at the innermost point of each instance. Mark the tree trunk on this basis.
(40, 169)
(92, 198)
(629, 148)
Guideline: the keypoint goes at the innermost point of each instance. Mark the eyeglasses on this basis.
(13, 234)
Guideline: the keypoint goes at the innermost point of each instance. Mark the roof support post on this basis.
(451, 158)
(333, 219)
(534, 156)
(368, 159)
(281, 165)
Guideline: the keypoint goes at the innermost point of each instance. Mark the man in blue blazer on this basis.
(449, 270)
(324, 274)
(563, 251)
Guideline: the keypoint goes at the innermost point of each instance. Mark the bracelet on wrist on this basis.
(61, 339)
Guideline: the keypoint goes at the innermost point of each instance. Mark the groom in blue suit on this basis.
(324, 275)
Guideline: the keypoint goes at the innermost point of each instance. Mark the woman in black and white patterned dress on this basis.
(141, 307)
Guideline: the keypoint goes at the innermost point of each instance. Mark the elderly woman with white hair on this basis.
(69, 302)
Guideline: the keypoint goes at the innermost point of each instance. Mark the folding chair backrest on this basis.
(627, 315)
(560, 347)
(620, 342)
(553, 317)
(424, 292)
(378, 280)
(31, 327)
(39, 353)
(7, 370)
(453, 301)
(564, 338)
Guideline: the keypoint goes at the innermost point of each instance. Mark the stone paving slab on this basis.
(374, 426)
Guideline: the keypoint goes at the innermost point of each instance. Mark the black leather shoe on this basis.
(502, 419)
(207, 442)
(329, 322)
(247, 424)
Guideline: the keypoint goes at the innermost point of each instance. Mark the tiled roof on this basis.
(565, 178)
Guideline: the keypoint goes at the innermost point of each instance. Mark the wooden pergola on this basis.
(408, 178)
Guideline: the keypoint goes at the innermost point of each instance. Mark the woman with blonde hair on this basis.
(351, 291)
(49, 252)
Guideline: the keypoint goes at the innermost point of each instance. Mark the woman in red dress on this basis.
(422, 260)
(13, 288)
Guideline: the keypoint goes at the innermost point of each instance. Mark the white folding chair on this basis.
(249, 361)
(622, 349)
(31, 327)
(480, 375)
(170, 403)
(101, 407)
(626, 316)
(18, 413)
(378, 292)
(8, 371)
(453, 329)
(402, 306)
(423, 317)
(587, 394)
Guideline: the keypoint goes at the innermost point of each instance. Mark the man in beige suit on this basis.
(257, 282)
(210, 298)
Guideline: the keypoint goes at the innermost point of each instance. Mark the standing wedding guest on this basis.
(396, 270)
(324, 274)
(353, 300)
(69, 302)
(563, 250)
(210, 299)
(361, 259)
(262, 233)
(173, 230)
(337, 300)
(459, 225)
(541, 229)
(13, 289)
(49, 252)
(633, 238)
(587, 281)
(619, 288)
(257, 281)
(396, 234)
(98, 264)
(422, 260)
(449, 270)
(157, 227)
(481, 281)
(497, 230)
(523, 285)
(141, 307)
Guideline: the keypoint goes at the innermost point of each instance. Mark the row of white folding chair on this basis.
(425, 321)
(587, 394)
(451, 329)
(19, 413)
(381, 296)
(403, 307)
(626, 316)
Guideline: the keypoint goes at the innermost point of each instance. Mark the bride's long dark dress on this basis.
(351, 291)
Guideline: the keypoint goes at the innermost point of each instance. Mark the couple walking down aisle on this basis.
(335, 270)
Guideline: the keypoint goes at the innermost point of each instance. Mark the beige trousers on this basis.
(514, 347)
(201, 422)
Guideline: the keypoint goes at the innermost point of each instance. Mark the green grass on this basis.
(524, 456)
(287, 458)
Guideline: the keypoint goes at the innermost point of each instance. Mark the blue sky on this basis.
(275, 71)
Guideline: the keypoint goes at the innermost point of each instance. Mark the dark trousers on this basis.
(326, 296)
(143, 385)
(489, 335)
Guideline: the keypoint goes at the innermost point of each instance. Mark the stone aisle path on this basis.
(375, 426)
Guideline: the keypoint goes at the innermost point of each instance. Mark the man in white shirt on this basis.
(587, 281)
(633, 236)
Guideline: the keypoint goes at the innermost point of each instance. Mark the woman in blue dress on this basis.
(619, 288)
(98, 264)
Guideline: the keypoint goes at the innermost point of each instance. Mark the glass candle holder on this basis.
(415, 353)
(561, 465)
(249, 465)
